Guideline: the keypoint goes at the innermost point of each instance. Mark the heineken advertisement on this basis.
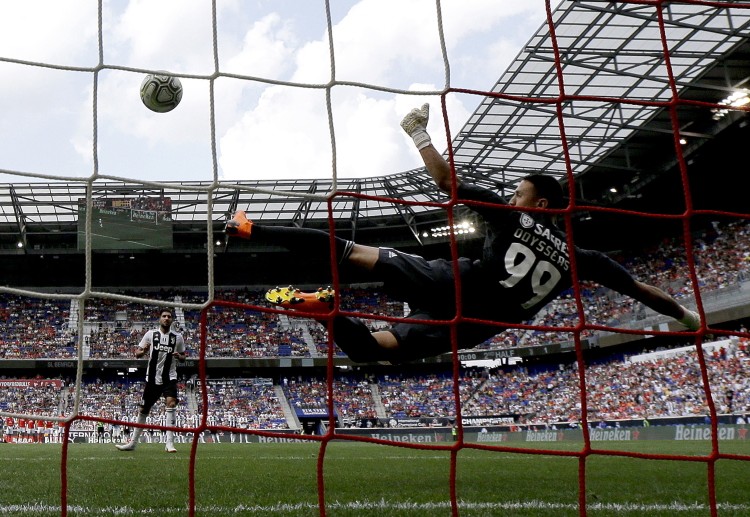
(421, 435)
(625, 434)
(491, 434)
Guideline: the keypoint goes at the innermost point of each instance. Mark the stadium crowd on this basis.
(40, 328)
(32, 328)
(662, 387)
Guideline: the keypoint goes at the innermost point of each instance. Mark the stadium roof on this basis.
(614, 97)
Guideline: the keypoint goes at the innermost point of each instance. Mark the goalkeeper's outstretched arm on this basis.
(658, 300)
(415, 125)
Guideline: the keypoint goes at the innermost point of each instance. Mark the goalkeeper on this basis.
(525, 264)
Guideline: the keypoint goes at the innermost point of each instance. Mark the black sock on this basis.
(356, 341)
(304, 240)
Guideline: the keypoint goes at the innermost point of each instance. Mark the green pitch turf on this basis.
(361, 479)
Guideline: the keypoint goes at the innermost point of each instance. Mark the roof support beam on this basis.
(303, 210)
(20, 219)
(354, 216)
(405, 211)
(232, 208)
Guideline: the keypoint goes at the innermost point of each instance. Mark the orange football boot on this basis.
(239, 226)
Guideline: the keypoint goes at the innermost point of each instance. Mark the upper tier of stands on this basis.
(42, 328)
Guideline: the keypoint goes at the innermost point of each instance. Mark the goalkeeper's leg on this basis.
(304, 241)
(360, 344)
(404, 341)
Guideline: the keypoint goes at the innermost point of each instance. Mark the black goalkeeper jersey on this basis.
(526, 263)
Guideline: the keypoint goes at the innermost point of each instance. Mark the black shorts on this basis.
(424, 284)
(153, 392)
(428, 287)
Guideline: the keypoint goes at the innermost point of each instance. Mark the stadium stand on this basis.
(40, 328)
(620, 390)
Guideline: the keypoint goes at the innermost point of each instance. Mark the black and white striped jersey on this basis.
(162, 365)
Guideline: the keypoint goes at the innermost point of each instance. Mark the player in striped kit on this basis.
(164, 348)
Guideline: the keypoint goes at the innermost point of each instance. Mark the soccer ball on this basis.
(161, 93)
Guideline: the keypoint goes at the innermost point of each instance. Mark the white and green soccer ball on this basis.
(161, 93)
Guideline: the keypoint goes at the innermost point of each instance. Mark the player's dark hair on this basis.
(166, 309)
(548, 188)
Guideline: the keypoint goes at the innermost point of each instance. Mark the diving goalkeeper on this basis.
(525, 264)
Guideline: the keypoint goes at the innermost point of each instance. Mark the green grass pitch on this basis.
(363, 479)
